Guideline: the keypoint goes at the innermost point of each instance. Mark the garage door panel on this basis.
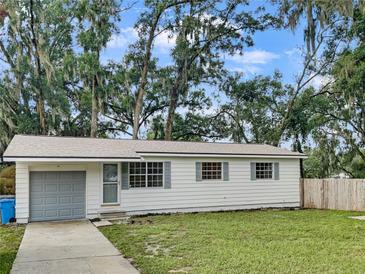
(51, 176)
(65, 200)
(78, 199)
(78, 211)
(51, 187)
(37, 187)
(65, 212)
(51, 213)
(57, 195)
(66, 187)
(50, 201)
(37, 202)
(77, 187)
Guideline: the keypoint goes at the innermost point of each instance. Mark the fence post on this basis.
(301, 192)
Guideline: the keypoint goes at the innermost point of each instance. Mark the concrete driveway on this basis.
(68, 247)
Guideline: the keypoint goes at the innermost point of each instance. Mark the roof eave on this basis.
(222, 155)
(68, 159)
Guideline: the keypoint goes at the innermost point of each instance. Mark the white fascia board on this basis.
(69, 160)
(223, 155)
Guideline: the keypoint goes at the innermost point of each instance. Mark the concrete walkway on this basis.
(68, 247)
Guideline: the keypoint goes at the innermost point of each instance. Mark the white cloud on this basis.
(165, 41)
(254, 57)
(250, 62)
(124, 38)
(246, 70)
(294, 52)
(319, 81)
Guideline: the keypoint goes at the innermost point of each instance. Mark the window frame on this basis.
(146, 176)
(118, 182)
(272, 171)
(214, 179)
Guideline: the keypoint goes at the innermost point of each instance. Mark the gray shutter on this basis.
(276, 171)
(253, 171)
(225, 171)
(125, 176)
(198, 171)
(167, 174)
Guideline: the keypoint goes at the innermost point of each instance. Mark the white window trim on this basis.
(146, 174)
(211, 180)
(118, 182)
(273, 171)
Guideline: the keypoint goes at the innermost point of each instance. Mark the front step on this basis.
(113, 215)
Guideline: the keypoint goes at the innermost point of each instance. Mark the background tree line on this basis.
(53, 81)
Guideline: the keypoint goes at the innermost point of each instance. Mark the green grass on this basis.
(10, 238)
(305, 241)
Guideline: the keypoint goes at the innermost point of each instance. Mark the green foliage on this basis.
(269, 241)
(7, 180)
(255, 108)
(318, 164)
(54, 81)
(343, 107)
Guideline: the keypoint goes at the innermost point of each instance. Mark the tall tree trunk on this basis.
(143, 82)
(174, 96)
(40, 105)
(41, 113)
(94, 109)
(298, 147)
(144, 74)
(171, 115)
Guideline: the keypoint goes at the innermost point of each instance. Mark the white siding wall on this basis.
(93, 189)
(22, 192)
(186, 194)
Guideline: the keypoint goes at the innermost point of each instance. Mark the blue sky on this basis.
(273, 49)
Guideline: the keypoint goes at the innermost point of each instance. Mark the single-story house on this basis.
(67, 178)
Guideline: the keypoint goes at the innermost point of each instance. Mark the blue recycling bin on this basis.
(7, 210)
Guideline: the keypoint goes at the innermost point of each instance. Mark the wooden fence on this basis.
(342, 194)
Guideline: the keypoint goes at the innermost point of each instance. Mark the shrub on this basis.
(7, 180)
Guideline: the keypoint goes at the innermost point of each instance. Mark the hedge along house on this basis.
(61, 178)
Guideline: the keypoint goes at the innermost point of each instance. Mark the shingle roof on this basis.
(25, 146)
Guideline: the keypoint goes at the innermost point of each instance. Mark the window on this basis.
(212, 171)
(110, 172)
(110, 183)
(146, 174)
(264, 171)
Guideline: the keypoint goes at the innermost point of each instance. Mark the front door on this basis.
(110, 183)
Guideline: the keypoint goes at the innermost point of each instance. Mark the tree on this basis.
(36, 36)
(96, 23)
(123, 82)
(345, 109)
(150, 25)
(205, 32)
(254, 108)
(317, 14)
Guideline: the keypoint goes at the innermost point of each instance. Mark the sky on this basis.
(273, 49)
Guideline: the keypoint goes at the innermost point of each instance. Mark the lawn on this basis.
(10, 238)
(302, 241)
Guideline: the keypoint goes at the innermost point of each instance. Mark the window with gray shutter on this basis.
(225, 171)
(253, 171)
(198, 171)
(167, 174)
(125, 176)
(276, 171)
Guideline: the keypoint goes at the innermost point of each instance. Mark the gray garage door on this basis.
(57, 195)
